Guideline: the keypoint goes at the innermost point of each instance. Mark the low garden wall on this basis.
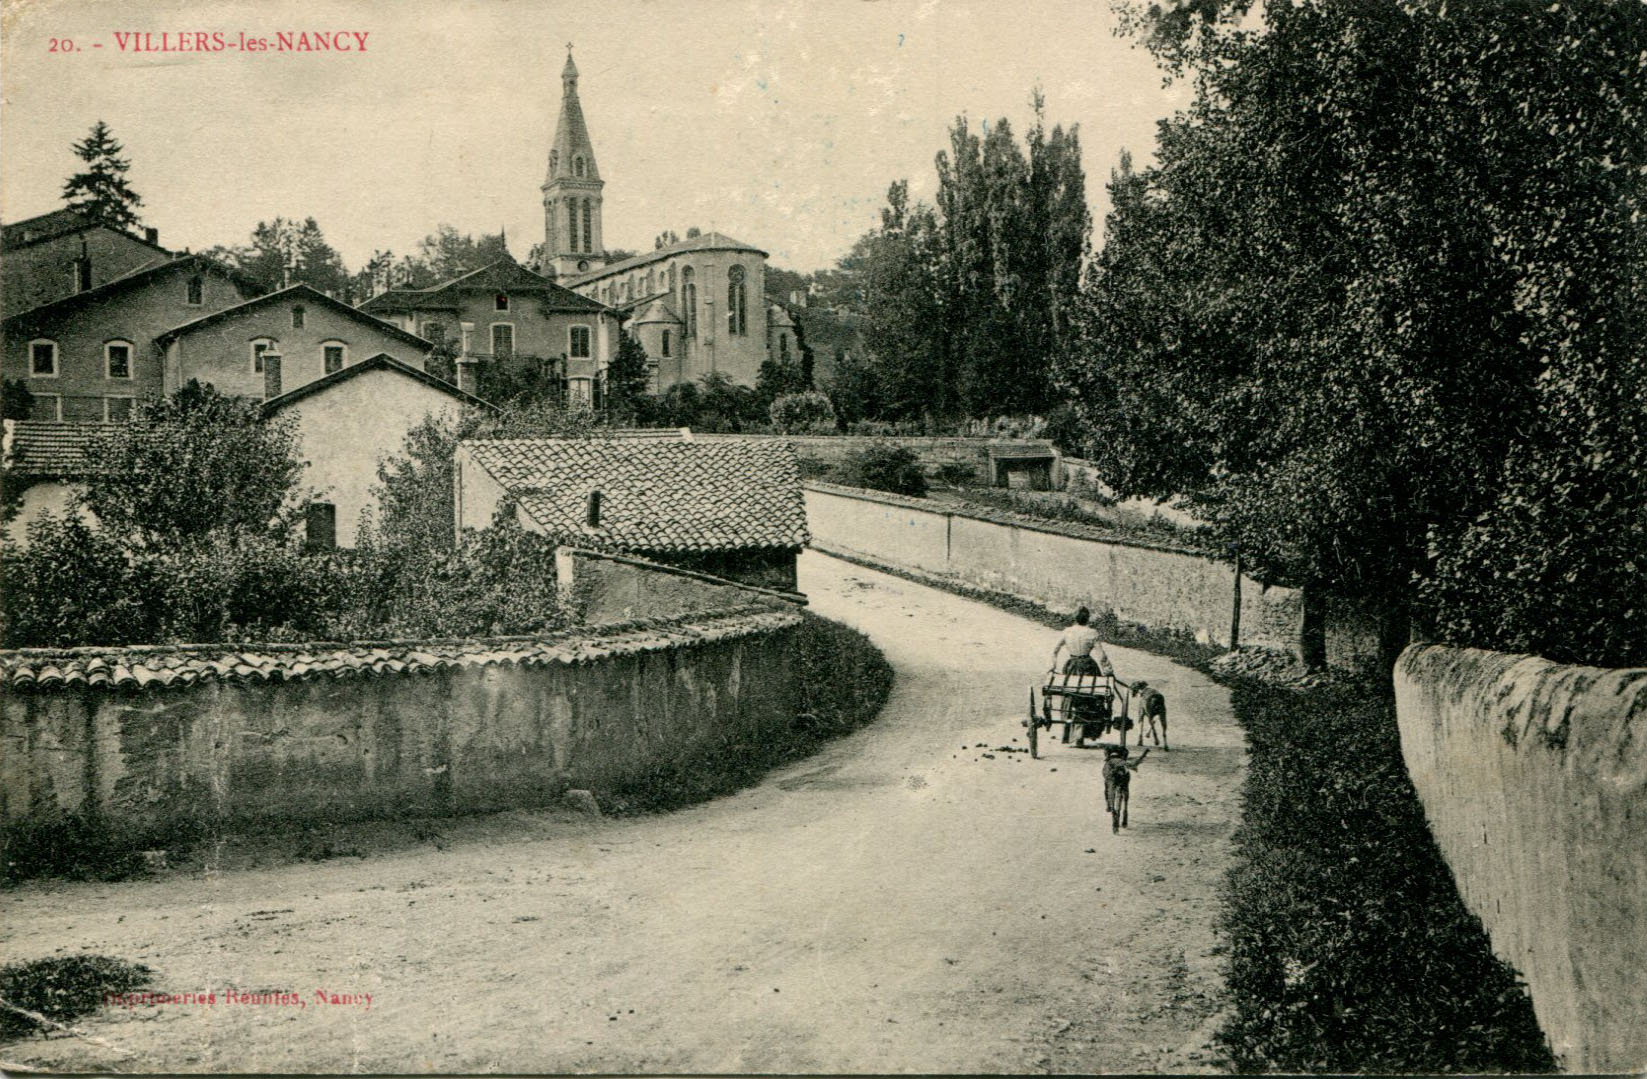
(1533, 777)
(1056, 564)
(601, 587)
(933, 452)
(150, 742)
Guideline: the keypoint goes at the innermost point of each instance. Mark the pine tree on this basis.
(101, 191)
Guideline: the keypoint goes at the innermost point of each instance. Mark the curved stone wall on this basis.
(1534, 779)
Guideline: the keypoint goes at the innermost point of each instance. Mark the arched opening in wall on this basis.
(577, 166)
(689, 302)
(737, 311)
(588, 226)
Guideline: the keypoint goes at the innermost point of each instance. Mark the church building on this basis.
(697, 306)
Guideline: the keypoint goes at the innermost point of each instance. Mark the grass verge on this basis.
(842, 680)
(1350, 949)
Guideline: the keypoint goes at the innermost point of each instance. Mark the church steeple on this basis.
(572, 242)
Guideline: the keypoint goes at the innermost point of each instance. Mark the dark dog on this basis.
(1118, 784)
(1152, 713)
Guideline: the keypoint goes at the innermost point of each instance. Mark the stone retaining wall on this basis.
(1057, 565)
(1534, 778)
(145, 742)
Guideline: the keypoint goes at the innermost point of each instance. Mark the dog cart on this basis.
(1085, 705)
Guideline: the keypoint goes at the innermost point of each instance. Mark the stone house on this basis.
(64, 252)
(733, 509)
(342, 452)
(44, 465)
(504, 313)
(315, 335)
(88, 357)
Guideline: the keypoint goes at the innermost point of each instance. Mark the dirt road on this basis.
(910, 899)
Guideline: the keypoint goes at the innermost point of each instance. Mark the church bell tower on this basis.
(572, 243)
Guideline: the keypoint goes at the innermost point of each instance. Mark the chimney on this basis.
(594, 509)
(271, 373)
(152, 235)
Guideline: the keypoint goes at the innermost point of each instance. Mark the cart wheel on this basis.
(1034, 741)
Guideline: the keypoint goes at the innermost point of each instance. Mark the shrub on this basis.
(73, 584)
(795, 412)
(883, 466)
(64, 988)
(957, 474)
(1350, 948)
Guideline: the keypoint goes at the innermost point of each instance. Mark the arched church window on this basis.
(571, 224)
(588, 226)
(577, 166)
(554, 160)
(689, 302)
(737, 312)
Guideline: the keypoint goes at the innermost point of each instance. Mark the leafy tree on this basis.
(194, 465)
(521, 380)
(885, 466)
(666, 238)
(799, 412)
(101, 192)
(284, 251)
(16, 402)
(626, 378)
(1378, 309)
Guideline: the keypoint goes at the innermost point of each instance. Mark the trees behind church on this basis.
(966, 303)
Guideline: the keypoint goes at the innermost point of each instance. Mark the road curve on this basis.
(910, 899)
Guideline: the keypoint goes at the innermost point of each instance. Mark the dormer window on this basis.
(196, 292)
(259, 347)
(501, 302)
(577, 166)
(297, 317)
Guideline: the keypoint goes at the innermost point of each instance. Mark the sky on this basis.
(778, 122)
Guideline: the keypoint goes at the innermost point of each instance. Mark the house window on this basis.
(297, 317)
(197, 292)
(666, 342)
(434, 332)
(783, 346)
(335, 354)
(503, 339)
(579, 343)
(117, 359)
(320, 526)
(259, 347)
(46, 406)
(737, 313)
(501, 302)
(82, 275)
(116, 409)
(43, 359)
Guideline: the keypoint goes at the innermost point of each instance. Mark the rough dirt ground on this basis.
(899, 902)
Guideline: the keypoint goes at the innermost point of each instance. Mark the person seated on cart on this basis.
(1081, 642)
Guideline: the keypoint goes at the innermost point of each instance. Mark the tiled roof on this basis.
(504, 275)
(53, 448)
(654, 309)
(164, 667)
(708, 241)
(309, 295)
(381, 362)
(656, 494)
(197, 263)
